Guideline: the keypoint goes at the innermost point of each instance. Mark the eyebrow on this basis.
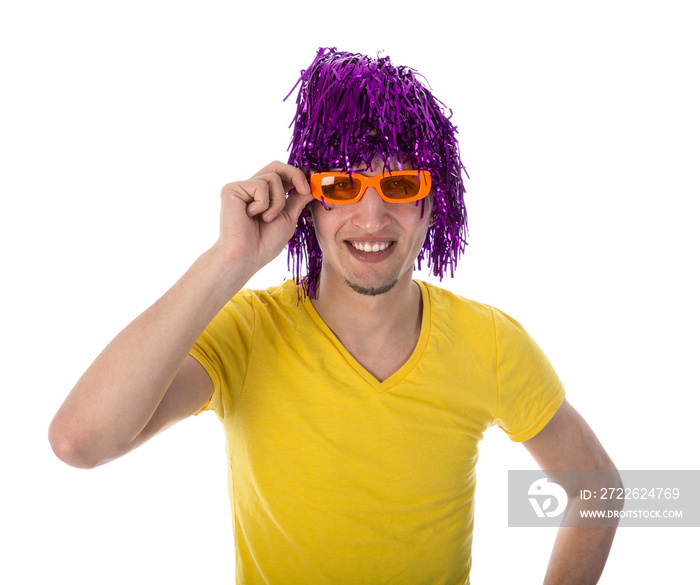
(393, 166)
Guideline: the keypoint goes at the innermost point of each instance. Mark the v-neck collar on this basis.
(403, 371)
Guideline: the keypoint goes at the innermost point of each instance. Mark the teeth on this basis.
(367, 247)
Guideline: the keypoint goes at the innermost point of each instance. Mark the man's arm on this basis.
(144, 380)
(568, 443)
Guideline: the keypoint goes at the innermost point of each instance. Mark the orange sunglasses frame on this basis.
(317, 191)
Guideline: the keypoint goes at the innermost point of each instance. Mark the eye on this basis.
(401, 187)
(342, 185)
(340, 188)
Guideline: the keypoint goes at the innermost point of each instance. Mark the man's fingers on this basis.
(264, 195)
(254, 194)
(295, 205)
(292, 177)
(276, 193)
(298, 179)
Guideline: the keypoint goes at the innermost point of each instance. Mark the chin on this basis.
(371, 291)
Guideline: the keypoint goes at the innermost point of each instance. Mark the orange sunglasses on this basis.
(392, 186)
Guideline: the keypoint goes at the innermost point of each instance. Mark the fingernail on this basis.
(271, 217)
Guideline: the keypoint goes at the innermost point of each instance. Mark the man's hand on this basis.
(257, 217)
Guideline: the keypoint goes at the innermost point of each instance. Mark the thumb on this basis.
(295, 204)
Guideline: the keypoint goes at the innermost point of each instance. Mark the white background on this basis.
(119, 123)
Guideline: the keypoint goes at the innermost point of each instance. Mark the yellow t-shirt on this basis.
(338, 478)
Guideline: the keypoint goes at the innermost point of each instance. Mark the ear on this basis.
(431, 204)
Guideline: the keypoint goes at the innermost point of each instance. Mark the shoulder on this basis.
(443, 300)
(275, 308)
(282, 295)
(452, 312)
(249, 308)
(461, 322)
(446, 304)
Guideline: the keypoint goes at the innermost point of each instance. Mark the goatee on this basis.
(371, 291)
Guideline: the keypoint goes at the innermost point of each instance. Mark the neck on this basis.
(361, 320)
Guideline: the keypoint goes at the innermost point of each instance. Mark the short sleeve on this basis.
(223, 350)
(529, 390)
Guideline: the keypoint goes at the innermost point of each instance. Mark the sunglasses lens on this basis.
(400, 186)
(340, 188)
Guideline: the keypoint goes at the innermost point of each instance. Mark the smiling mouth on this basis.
(369, 247)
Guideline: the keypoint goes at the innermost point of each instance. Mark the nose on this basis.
(370, 213)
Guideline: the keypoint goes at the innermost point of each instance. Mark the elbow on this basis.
(68, 448)
(613, 476)
(618, 503)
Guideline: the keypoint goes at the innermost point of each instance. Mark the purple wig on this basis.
(351, 108)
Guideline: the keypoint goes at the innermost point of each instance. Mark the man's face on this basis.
(372, 244)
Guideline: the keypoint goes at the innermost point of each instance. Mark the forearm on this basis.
(118, 394)
(575, 460)
(580, 552)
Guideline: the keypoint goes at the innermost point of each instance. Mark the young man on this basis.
(353, 397)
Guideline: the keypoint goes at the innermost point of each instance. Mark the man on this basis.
(353, 397)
